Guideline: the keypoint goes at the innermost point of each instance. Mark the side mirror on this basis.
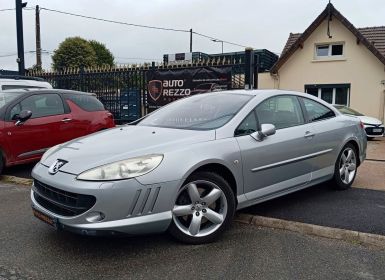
(22, 117)
(267, 129)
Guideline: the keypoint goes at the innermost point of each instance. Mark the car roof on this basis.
(19, 77)
(48, 91)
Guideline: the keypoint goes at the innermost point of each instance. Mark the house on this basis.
(335, 61)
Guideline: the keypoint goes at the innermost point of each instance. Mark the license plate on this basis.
(45, 218)
(377, 130)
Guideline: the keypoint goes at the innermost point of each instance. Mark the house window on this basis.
(329, 50)
(334, 94)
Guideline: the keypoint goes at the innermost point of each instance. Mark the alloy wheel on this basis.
(200, 208)
(347, 165)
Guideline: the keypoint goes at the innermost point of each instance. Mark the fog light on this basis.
(95, 217)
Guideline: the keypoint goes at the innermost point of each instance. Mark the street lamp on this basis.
(218, 41)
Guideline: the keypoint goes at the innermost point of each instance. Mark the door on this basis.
(328, 135)
(47, 126)
(279, 161)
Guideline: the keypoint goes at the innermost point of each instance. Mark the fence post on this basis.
(81, 78)
(256, 71)
(249, 68)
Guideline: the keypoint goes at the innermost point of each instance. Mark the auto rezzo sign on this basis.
(165, 86)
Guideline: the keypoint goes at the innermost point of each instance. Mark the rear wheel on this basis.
(345, 168)
(2, 163)
(204, 208)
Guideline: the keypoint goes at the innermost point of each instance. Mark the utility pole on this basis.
(20, 40)
(38, 41)
(191, 33)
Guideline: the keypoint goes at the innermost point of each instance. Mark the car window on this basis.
(41, 105)
(86, 102)
(316, 111)
(247, 126)
(282, 111)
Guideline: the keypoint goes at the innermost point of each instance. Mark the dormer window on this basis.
(334, 50)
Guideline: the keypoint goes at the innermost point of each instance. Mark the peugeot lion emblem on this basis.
(54, 168)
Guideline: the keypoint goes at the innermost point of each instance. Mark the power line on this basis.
(114, 21)
(12, 9)
(27, 52)
(219, 40)
(142, 26)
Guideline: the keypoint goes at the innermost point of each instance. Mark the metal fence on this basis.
(123, 89)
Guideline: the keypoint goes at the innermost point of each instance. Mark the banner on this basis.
(165, 86)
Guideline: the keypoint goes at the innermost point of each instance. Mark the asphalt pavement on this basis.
(29, 249)
(354, 209)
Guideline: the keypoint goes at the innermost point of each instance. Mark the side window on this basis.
(316, 111)
(247, 126)
(86, 102)
(41, 105)
(282, 111)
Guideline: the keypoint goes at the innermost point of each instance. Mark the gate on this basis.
(123, 90)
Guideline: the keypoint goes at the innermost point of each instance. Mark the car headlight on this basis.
(49, 152)
(123, 169)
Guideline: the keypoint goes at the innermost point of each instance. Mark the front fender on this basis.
(181, 163)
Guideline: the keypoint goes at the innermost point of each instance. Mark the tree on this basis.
(74, 52)
(103, 55)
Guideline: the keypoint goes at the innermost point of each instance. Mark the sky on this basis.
(255, 23)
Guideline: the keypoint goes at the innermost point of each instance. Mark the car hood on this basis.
(122, 143)
(369, 120)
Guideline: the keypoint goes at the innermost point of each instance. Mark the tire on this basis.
(1, 163)
(345, 169)
(370, 138)
(203, 209)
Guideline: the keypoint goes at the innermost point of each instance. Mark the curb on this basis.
(16, 180)
(316, 230)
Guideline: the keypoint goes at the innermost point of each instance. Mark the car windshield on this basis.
(199, 112)
(6, 97)
(348, 111)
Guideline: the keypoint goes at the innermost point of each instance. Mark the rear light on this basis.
(362, 125)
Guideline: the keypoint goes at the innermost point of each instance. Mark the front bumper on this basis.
(127, 206)
(374, 130)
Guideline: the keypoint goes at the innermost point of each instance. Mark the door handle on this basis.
(66, 120)
(309, 134)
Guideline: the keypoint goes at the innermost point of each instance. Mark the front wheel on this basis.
(345, 169)
(204, 208)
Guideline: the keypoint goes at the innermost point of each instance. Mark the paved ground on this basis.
(355, 209)
(30, 249)
(376, 149)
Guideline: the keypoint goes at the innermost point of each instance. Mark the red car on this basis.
(32, 121)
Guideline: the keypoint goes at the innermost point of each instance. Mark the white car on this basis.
(373, 127)
(8, 82)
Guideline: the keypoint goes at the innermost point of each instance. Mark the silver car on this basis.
(190, 165)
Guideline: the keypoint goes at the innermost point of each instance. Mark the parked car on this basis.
(11, 82)
(32, 121)
(189, 165)
(373, 127)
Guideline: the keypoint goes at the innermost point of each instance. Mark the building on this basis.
(335, 61)
(266, 59)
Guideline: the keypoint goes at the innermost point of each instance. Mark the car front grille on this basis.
(369, 130)
(62, 202)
